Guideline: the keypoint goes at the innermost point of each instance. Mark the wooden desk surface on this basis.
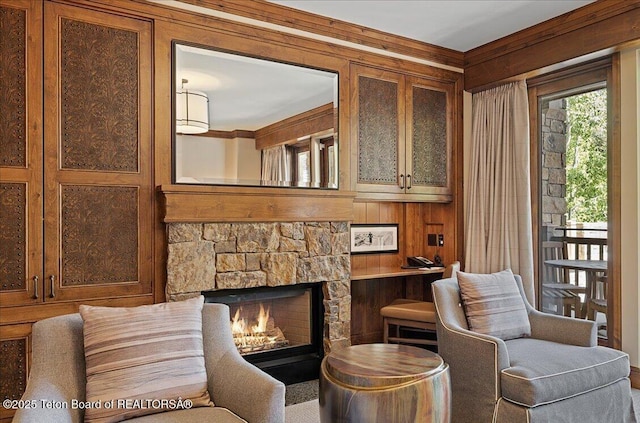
(390, 272)
(380, 365)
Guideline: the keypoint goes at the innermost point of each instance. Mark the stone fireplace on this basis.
(205, 257)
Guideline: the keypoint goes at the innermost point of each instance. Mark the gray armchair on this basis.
(557, 374)
(238, 389)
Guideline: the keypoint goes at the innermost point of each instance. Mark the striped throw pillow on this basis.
(144, 360)
(493, 304)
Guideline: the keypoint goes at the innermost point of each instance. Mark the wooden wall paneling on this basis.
(373, 216)
(414, 228)
(358, 309)
(393, 213)
(358, 261)
(605, 24)
(440, 219)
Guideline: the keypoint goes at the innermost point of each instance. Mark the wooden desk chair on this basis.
(421, 315)
(556, 289)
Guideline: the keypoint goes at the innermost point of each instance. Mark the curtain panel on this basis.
(276, 165)
(498, 232)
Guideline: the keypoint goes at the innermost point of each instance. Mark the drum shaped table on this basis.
(384, 383)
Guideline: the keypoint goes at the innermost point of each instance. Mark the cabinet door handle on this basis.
(408, 181)
(36, 281)
(52, 278)
(401, 181)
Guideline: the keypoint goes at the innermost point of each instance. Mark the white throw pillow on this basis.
(144, 360)
(493, 304)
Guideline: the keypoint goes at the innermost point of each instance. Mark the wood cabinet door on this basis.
(20, 152)
(97, 148)
(378, 130)
(429, 129)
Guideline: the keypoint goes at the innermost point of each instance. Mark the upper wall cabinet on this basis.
(402, 130)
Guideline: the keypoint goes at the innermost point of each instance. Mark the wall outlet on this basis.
(432, 240)
(440, 240)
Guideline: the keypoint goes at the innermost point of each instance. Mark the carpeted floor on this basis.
(301, 392)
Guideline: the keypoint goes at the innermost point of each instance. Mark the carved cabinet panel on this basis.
(403, 133)
(97, 150)
(20, 152)
(15, 349)
(76, 195)
(82, 164)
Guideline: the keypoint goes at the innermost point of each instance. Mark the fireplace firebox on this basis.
(278, 329)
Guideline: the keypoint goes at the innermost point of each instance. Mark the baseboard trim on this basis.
(635, 377)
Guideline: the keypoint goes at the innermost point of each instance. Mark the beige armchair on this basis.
(556, 374)
(239, 390)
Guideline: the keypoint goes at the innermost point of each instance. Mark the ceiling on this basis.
(456, 24)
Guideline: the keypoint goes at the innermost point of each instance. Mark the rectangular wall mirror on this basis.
(241, 120)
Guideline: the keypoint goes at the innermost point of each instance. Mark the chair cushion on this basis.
(543, 372)
(143, 354)
(493, 304)
(417, 311)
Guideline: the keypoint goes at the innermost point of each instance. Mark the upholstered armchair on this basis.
(240, 391)
(557, 373)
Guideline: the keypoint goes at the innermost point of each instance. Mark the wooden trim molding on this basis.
(321, 25)
(227, 135)
(243, 204)
(601, 26)
(304, 124)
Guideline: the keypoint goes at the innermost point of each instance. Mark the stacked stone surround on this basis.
(214, 256)
(554, 176)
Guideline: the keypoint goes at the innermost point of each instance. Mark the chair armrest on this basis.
(246, 390)
(561, 329)
(38, 395)
(58, 371)
(475, 360)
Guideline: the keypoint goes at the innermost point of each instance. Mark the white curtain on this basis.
(276, 165)
(498, 195)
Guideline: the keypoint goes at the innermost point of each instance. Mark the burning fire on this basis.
(261, 336)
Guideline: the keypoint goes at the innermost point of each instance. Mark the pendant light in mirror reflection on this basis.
(192, 111)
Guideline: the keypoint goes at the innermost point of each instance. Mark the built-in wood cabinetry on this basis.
(403, 135)
(76, 197)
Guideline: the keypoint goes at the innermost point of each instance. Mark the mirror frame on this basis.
(259, 183)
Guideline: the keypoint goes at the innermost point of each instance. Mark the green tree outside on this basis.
(586, 157)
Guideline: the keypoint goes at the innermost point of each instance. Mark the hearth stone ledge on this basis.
(214, 256)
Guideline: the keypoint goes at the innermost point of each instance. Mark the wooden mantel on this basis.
(188, 203)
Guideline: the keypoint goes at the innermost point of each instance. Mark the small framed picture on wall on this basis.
(374, 238)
